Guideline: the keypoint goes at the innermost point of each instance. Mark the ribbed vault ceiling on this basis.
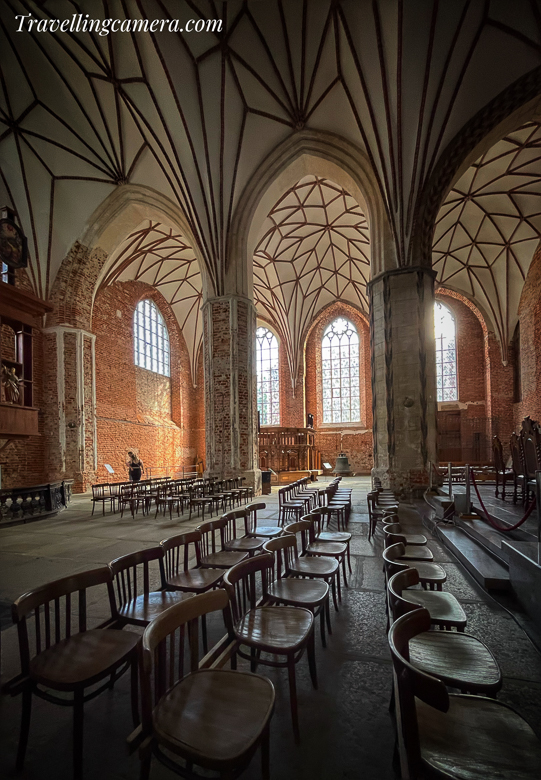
(161, 257)
(490, 225)
(314, 250)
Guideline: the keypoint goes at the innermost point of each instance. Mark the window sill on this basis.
(342, 426)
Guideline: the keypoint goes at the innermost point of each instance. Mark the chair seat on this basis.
(143, 609)
(430, 572)
(223, 559)
(460, 660)
(443, 607)
(245, 543)
(196, 580)
(333, 536)
(416, 553)
(415, 539)
(326, 548)
(311, 566)
(478, 739)
(82, 658)
(275, 628)
(306, 593)
(214, 714)
(267, 531)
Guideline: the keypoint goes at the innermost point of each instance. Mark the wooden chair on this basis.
(519, 475)
(412, 552)
(431, 575)
(136, 603)
(179, 551)
(130, 497)
(445, 611)
(323, 533)
(288, 589)
(453, 735)
(167, 499)
(213, 552)
(253, 528)
(502, 473)
(322, 548)
(66, 660)
(211, 717)
(289, 509)
(247, 544)
(411, 539)
(102, 495)
(278, 631)
(326, 569)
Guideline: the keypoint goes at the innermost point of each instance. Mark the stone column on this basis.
(229, 324)
(70, 405)
(403, 377)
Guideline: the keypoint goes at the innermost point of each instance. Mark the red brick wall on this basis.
(136, 408)
(356, 439)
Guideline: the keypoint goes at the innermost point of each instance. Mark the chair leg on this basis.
(265, 754)
(328, 615)
(25, 727)
(146, 759)
(322, 624)
(204, 634)
(293, 696)
(311, 652)
(134, 684)
(78, 734)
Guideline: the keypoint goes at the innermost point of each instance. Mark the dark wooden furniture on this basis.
(277, 631)
(211, 718)
(453, 735)
(324, 534)
(303, 565)
(247, 544)
(519, 476)
(325, 548)
(445, 611)
(136, 602)
(431, 575)
(412, 552)
(179, 552)
(69, 658)
(415, 540)
(288, 449)
(253, 528)
(213, 551)
(288, 589)
(502, 473)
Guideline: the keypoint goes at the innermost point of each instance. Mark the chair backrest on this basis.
(396, 585)
(410, 683)
(213, 535)
(100, 491)
(514, 446)
(52, 609)
(247, 582)
(392, 528)
(302, 529)
(497, 452)
(178, 550)
(164, 652)
(392, 538)
(285, 550)
(131, 574)
(391, 563)
(251, 521)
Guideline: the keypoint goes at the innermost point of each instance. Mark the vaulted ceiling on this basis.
(490, 225)
(193, 116)
(314, 249)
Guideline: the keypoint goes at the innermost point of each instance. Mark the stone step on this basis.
(489, 573)
(485, 535)
(440, 504)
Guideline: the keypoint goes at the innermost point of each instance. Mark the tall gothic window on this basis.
(340, 373)
(151, 339)
(446, 374)
(268, 379)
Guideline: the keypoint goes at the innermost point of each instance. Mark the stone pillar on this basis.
(403, 377)
(70, 405)
(229, 326)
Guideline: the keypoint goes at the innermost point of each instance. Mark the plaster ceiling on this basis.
(490, 225)
(314, 249)
(193, 116)
(161, 257)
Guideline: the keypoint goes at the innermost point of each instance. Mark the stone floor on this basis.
(346, 728)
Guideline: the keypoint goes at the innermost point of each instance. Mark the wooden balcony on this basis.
(288, 449)
(18, 422)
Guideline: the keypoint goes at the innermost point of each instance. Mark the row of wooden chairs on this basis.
(440, 734)
(525, 452)
(67, 656)
(298, 498)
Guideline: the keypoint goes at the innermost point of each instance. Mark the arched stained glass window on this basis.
(268, 377)
(340, 373)
(151, 339)
(446, 374)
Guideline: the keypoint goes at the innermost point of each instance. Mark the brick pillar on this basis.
(403, 376)
(229, 326)
(70, 405)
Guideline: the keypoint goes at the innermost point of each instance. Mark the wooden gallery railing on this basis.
(288, 449)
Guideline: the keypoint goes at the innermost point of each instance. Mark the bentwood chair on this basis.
(312, 567)
(69, 657)
(212, 718)
(276, 631)
(445, 610)
(431, 575)
(445, 735)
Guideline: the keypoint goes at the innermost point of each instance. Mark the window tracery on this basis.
(340, 373)
(151, 338)
(446, 369)
(268, 377)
